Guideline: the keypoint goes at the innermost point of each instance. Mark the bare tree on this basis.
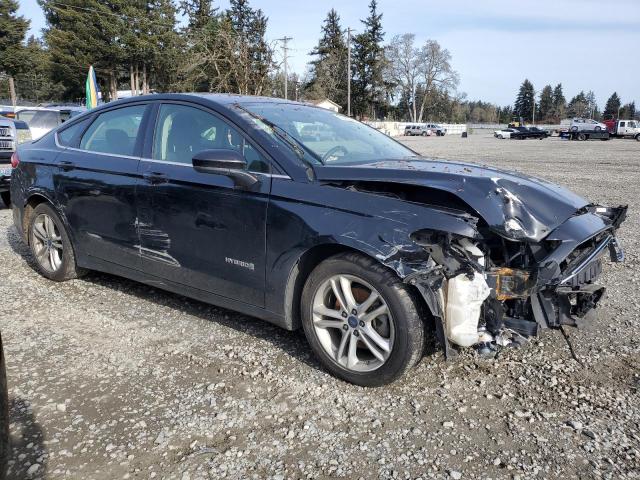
(436, 73)
(404, 68)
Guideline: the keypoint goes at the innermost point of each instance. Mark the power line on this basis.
(285, 48)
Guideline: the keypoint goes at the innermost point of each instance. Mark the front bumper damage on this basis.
(556, 286)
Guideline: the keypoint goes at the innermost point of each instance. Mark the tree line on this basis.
(551, 106)
(140, 45)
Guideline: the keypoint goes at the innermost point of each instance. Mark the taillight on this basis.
(15, 160)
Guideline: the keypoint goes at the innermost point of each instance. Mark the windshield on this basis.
(44, 119)
(329, 137)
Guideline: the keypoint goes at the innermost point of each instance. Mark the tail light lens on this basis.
(15, 160)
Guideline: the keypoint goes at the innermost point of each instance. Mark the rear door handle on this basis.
(66, 165)
(155, 178)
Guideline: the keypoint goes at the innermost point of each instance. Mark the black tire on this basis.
(424, 134)
(68, 268)
(574, 129)
(6, 198)
(598, 128)
(408, 344)
(638, 138)
(582, 137)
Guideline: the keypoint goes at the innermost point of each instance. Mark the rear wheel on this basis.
(6, 198)
(638, 137)
(598, 128)
(50, 245)
(361, 320)
(582, 137)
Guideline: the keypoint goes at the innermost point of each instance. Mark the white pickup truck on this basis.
(624, 128)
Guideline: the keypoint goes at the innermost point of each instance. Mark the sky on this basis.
(495, 44)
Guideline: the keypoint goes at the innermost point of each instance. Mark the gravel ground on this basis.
(113, 379)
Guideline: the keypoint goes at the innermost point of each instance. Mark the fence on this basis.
(395, 129)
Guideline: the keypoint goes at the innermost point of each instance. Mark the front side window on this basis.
(114, 132)
(183, 131)
(327, 137)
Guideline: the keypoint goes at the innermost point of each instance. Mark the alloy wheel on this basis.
(353, 323)
(47, 243)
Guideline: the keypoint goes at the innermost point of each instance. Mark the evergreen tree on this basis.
(559, 103)
(578, 106)
(525, 101)
(368, 65)
(328, 75)
(89, 32)
(628, 111)
(612, 106)
(34, 81)
(545, 110)
(199, 12)
(13, 28)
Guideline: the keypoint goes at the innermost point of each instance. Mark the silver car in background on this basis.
(44, 119)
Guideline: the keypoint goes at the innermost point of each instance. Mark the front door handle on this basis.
(67, 165)
(155, 178)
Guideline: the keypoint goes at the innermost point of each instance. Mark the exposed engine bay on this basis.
(497, 293)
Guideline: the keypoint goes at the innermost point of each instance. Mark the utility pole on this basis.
(349, 72)
(285, 49)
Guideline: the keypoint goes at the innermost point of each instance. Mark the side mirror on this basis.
(224, 162)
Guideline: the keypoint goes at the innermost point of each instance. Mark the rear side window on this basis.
(66, 136)
(114, 132)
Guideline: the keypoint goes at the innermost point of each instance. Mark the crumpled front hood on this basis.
(514, 205)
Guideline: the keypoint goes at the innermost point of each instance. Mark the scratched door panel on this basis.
(98, 197)
(198, 229)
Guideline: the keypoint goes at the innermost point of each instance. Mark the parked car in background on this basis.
(586, 124)
(438, 129)
(43, 119)
(524, 133)
(623, 128)
(12, 134)
(417, 130)
(359, 240)
(504, 133)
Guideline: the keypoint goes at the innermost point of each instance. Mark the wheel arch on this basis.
(308, 261)
(30, 203)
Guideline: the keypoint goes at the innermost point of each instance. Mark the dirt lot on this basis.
(112, 379)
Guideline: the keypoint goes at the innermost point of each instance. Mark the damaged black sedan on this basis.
(239, 202)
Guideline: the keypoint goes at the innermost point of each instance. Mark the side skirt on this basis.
(93, 263)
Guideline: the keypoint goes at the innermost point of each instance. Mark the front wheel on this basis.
(582, 137)
(50, 245)
(638, 138)
(361, 320)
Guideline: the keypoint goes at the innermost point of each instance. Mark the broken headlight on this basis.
(508, 283)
